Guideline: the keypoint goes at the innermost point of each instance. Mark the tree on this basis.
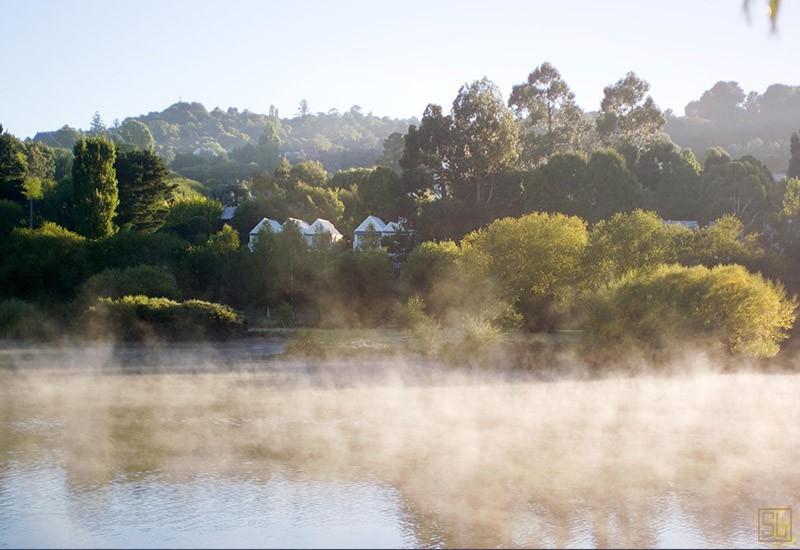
(433, 273)
(628, 116)
(13, 167)
(459, 156)
(551, 120)
(609, 186)
(426, 148)
(144, 190)
(628, 242)
(48, 262)
(362, 287)
(724, 101)
(679, 306)
(558, 186)
(268, 151)
(794, 161)
(193, 218)
(534, 261)
(790, 205)
(484, 143)
(97, 127)
(40, 173)
(720, 243)
(393, 147)
(311, 172)
(206, 265)
(11, 215)
(136, 134)
(716, 156)
(95, 193)
(738, 187)
(672, 177)
(303, 109)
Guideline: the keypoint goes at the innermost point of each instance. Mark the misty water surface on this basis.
(382, 453)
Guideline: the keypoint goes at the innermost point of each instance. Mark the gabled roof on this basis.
(392, 227)
(322, 226)
(375, 221)
(274, 226)
(228, 212)
(300, 224)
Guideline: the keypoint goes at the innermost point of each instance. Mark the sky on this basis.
(62, 61)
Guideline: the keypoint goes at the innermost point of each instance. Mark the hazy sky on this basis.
(61, 61)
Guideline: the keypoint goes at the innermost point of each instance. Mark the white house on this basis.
(265, 223)
(367, 230)
(373, 228)
(312, 233)
(393, 228)
(302, 226)
(315, 232)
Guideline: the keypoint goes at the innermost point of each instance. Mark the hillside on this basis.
(338, 140)
(742, 123)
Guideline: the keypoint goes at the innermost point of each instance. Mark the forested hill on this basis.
(338, 140)
(742, 123)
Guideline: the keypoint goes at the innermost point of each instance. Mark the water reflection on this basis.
(234, 459)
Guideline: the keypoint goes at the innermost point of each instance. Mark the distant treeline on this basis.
(744, 124)
(338, 140)
(725, 115)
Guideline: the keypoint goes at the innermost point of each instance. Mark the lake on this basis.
(228, 445)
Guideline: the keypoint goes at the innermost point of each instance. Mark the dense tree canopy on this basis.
(144, 190)
(551, 121)
(136, 134)
(460, 156)
(94, 181)
(13, 166)
(534, 260)
(794, 160)
(628, 116)
(739, 187)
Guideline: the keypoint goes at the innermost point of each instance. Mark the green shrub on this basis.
(479, 335)
(676, 306)
(533, 261)
(47, 264)
(146, 280)
(141, 317)
(410, 314)
(432, 273)
(131, 248)
(193, 218)
(11, 215)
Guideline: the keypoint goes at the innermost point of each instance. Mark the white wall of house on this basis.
(373, 227)
(263, 225)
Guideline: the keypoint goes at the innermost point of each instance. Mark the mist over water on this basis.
(221, 446)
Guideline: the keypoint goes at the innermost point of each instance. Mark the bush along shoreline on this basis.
(140, 318)
(128, 318)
